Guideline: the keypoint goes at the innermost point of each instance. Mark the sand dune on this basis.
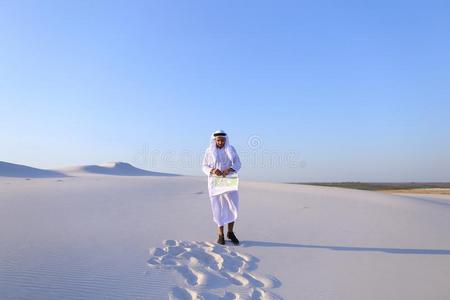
(113, 168)
(15, 170)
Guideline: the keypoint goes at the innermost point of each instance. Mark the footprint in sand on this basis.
(212, 272)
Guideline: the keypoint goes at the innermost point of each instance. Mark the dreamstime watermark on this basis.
(253, 155)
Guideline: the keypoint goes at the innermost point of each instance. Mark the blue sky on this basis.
(308, 91)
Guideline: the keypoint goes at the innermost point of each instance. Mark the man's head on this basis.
(220, 137)
(220, 141)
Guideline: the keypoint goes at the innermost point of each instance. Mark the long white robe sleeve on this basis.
(207, 164)
(236, 163)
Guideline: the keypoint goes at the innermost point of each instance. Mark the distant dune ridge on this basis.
(16, 170)
(111, 168)
(114, 168)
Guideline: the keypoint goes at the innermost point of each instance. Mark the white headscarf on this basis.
(229, 150)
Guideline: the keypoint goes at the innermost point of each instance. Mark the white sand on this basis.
(147, 237)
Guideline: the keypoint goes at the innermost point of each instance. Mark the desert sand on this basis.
(79, 234)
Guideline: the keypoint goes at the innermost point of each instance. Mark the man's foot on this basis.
(221, 239)
(232, 237)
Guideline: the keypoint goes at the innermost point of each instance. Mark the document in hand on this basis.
(220, 185)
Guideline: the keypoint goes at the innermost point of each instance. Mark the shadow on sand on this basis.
(346, 248)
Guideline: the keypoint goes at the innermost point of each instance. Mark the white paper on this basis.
(219, 184)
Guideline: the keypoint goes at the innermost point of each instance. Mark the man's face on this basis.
(220, 141)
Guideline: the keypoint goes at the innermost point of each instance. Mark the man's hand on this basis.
(227, 171)
(216, 172)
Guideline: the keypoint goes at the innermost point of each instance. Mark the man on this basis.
(221, 159)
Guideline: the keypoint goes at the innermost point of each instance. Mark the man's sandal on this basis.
(221, 239)
(233, 238)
